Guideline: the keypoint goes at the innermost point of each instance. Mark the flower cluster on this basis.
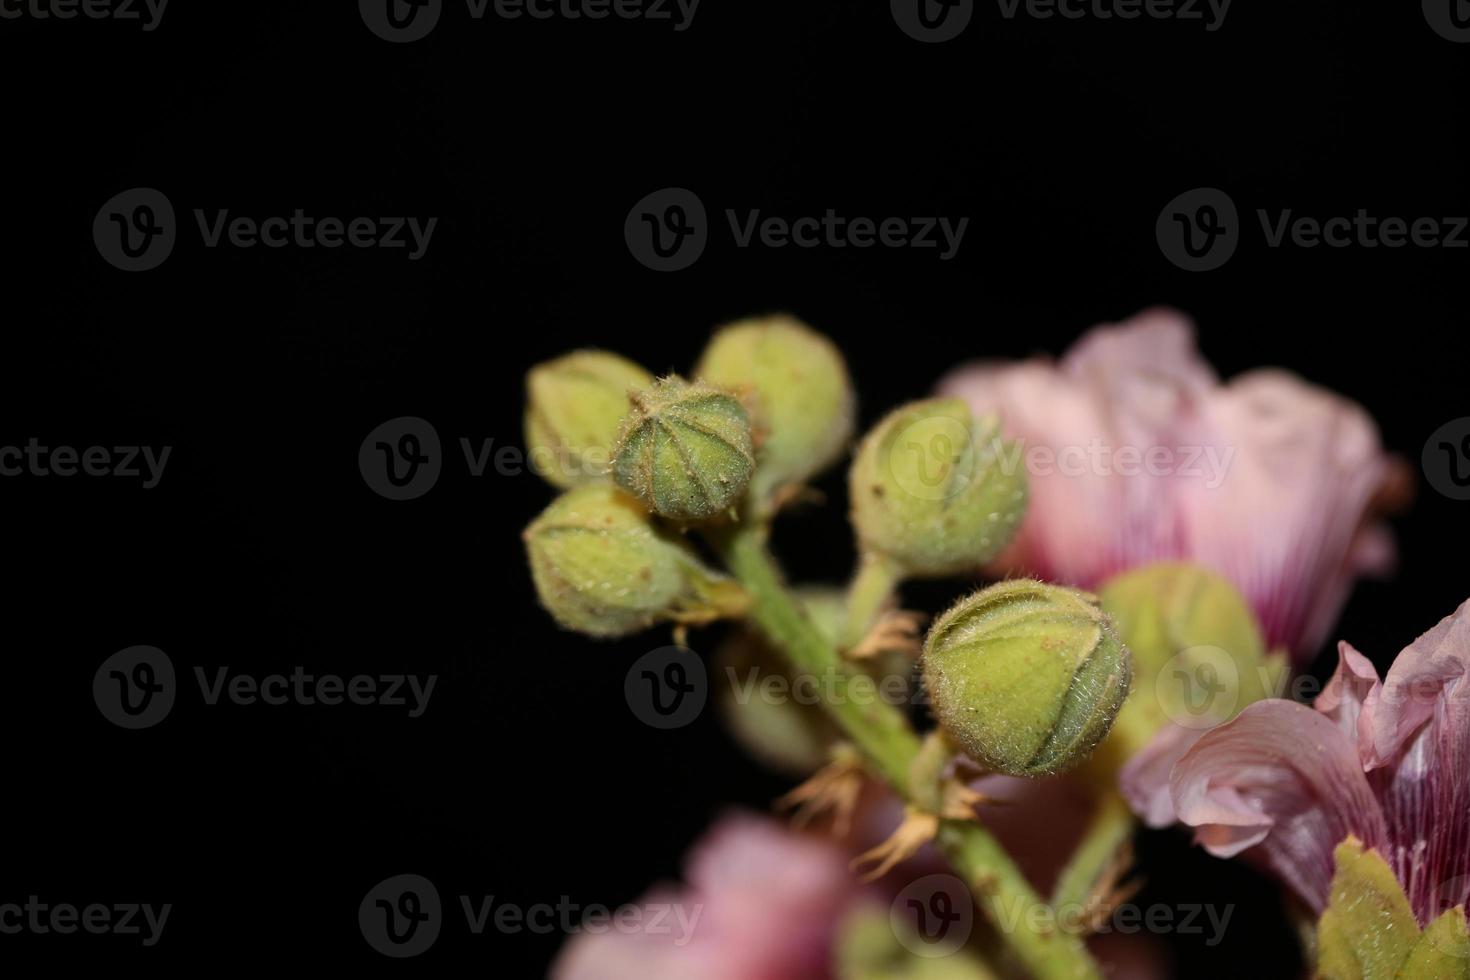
(1169, 549)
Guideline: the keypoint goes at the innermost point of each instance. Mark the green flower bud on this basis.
(685, 449)
(601, 568)
(930, 491)
(573, 408)
(1198, 655)
(800, 394)
(1026, 678)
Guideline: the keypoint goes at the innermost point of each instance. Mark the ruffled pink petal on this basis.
(1430, 674)
(1351, 699)
(1144, 779)
(1283, 777)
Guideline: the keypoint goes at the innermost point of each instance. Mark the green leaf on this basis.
(870, 947)
(1443, 951)
(1368, 929)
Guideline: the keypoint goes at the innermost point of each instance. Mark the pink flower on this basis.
(1386, 761)
(1135, 452)
(762, 903)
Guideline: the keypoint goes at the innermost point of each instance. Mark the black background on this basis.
(528, 778)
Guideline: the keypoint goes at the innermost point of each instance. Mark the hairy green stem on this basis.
(1111, 827)
(890, 745)
(871, 587)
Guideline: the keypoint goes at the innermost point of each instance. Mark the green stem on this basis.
(889, 743)
(1111, 827)
(871, 587)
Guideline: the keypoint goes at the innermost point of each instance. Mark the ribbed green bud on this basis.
(601, 568)
(685, 449)
(800, 395)
(574, 405)
(931, 489)
(1026, 678)
(1198, 654)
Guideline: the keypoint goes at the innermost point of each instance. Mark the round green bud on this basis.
(799, 391)
(1198, 654)
(574, 405)
(1026, 678)
(931, 489)
(685, 449)
(601, 568)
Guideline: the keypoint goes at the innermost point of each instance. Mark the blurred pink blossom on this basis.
(1136, 452)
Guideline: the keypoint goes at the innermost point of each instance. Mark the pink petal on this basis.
(1145, 777)
(1284, 777)
(767, 901)
(1351, 698)
(1276, 496)
(1430, 673)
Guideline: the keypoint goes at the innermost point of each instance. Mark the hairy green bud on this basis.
(685, 449)
(931, 492)
(1026, 678)
(574, 406)
(800, 394)
(602, 568)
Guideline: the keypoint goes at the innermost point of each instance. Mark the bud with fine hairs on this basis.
(800, 395)
(574, 405)
(685, 449)
(602, 568)
(1026, 678)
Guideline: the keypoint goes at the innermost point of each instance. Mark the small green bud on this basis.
(931, 492)
(1026, 677)
(801, 396)
(1198, 654)
(573, 407)
(601, 568)
(685, 449)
